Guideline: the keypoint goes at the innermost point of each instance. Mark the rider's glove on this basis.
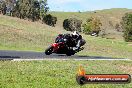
(75, 48)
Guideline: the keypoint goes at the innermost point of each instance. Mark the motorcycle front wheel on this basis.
(49, 50)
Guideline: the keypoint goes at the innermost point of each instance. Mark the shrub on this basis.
(127, 26)
(87, 29)
(50, 20)
(92, 25)
(72, 24)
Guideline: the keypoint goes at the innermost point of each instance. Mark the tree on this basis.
(43, 8)
(6, 6)
(0, 6)
(87, 28)
(49, 20)
(3, 7)
(35, 11)
(31, 9)
(92, 25)
(127, 26)
(24, 9)
(20, 8)
(72, 24)
(16, 9)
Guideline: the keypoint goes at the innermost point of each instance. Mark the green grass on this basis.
(58, 74)
(105, 47)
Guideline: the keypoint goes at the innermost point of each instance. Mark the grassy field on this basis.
(16, 34)
(58, 74)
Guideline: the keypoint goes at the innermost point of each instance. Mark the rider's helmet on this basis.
(75, 34)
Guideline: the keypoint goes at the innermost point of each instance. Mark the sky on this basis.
(87, 5)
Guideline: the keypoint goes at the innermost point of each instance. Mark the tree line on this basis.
(33, 10)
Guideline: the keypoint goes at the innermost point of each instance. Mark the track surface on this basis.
(27, 55)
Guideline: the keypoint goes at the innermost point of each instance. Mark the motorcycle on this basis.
(60, 47)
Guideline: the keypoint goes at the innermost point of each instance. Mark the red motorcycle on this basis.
(60, 47)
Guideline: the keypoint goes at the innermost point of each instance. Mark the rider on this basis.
(77, 38)
(74, 39)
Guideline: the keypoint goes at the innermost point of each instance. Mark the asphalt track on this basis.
(29, 55)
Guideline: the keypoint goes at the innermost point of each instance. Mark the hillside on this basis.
(16, 34)
(25, 35)
(108, 17)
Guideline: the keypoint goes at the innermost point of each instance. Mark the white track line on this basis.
(72, 59)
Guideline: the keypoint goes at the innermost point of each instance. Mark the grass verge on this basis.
(58, 74)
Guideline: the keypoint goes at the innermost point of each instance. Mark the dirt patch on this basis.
(125, 68)
(130, 44)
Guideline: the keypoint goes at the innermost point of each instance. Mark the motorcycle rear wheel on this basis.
(69, 53)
